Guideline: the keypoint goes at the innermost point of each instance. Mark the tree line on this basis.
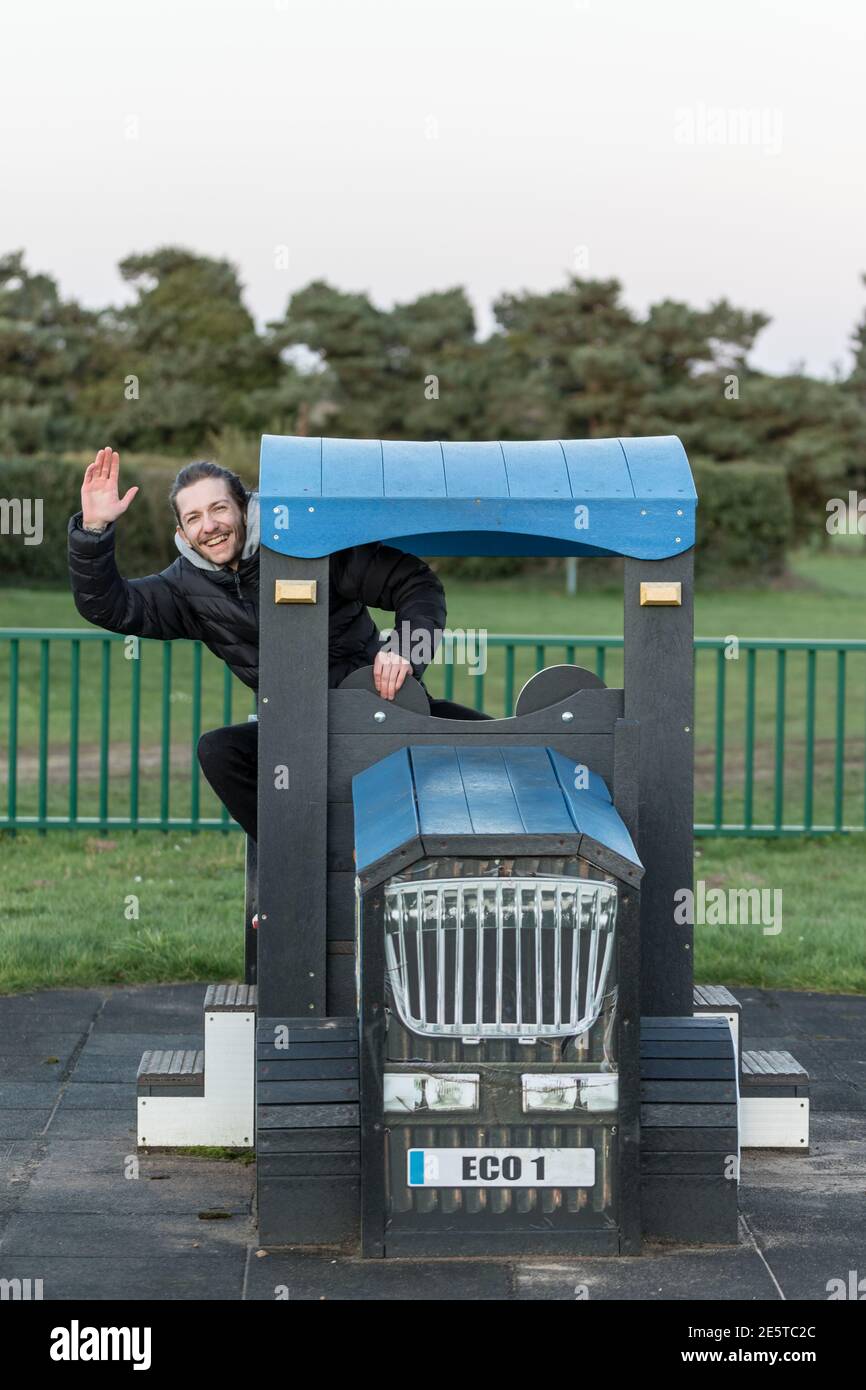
(183, 364)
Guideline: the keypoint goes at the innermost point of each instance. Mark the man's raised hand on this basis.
(100, 501)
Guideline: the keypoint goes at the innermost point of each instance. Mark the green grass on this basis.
(821, 944)
(63, 920)
(822, 599)
(62, 916)
(66, 912)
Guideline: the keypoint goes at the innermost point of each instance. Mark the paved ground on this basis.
(184, 1228)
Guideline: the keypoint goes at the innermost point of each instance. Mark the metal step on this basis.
(171, 1073)
(226, 999)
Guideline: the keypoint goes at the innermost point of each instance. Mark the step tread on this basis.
(230, 998)
(715, 997)
(758, 1064)
(179, 1066)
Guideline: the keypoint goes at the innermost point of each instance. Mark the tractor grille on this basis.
(499, 957)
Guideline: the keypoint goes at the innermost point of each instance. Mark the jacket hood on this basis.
(251, 544)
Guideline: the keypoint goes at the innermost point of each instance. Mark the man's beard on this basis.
(229, 549)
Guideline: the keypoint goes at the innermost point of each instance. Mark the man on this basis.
(211, 592)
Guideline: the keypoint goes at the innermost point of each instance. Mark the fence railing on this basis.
(101, 730)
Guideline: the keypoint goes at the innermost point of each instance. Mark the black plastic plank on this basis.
(689, 1035)
(341, 981)
(309, 1165)
(695, 1023)
(690, 1208)
(308, 1092)
(301, 1051)
(675, 1047)
(663, 1139)
(686, 1068)
(308, 1211)
(500, 1244)
(710, 1162)
(293, 1141)
(692, 1116)
(776, 1092)
(300, 1027)
(296, 1069)
(307, 1116)
(687, 1092)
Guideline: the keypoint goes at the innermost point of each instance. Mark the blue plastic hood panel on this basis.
(427, 792)
(547, 497)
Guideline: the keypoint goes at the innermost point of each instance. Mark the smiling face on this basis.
(212, 521)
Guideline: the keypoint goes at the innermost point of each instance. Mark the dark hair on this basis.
(194, 472)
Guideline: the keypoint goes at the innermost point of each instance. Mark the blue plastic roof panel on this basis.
(539, 497)
(410, 801)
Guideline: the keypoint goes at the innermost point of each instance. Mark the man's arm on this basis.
(384, 577)
(136, 607)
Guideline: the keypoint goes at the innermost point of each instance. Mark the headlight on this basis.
(561, 1091)
(408, 1092)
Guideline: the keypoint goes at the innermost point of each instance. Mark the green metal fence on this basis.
(102, 729)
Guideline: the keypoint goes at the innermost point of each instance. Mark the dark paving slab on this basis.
(660, 1274)
(19, 1123)
(65, 1006)
(100, 1070)
(761, 1014)
(305, 1277)
(46, 1042)
(32, 1068)
(32, 1235)
(28, 1095)
(153, 1009)
(18, 1161)
(82, 1176)
(854, 1070)
(829, 1167)
(74, 1278)
(837, 1095)
(126, 1045)
(66, 1206)
(16, 1151)
(82, 1122)
(830, 1015)
(809, 1241)
(104, 1095)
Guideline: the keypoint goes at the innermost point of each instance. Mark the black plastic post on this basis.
(659, 694)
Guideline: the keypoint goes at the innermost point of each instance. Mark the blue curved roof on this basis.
(418, 800)
(545, 497)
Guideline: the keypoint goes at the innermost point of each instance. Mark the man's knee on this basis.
(211, 750)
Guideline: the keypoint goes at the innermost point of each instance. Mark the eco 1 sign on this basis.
(501, 1167)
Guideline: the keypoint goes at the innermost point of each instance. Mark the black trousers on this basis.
(229, 761)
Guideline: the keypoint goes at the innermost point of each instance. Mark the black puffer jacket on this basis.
(220, 607)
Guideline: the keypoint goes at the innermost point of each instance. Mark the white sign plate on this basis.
(501, 1167)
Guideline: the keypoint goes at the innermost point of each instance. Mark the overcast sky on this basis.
(690, 149)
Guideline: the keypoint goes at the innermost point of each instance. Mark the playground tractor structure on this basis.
(469, 1023)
